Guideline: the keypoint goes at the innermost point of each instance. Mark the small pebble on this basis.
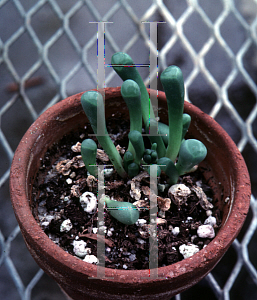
(193, 237)
(109, 233)
(66, 225)
(208, 212)
(108, 172)
(45, 224)
(175, 231)
(210, 221)
(69, 181)
(188, 219)
(179, 193)
(79, 248)
(92, 259)
(41, 210)
(88, 202)
(102, 229)
(132, 257)
(188, 250)
(73, 175)
(140, 222)
(206, 232)
(140, 241)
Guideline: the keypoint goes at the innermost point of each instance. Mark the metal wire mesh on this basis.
(48, 51)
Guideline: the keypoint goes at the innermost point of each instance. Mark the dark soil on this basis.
(126, 246)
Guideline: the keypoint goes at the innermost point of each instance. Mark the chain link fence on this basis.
(48, 51)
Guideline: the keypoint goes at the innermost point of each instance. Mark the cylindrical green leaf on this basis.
(128, 158)
(133, 169)
(92, 103)
(130, 92)
(124, 66)
(173, 84)
(88, 153)
(191, 153)
(156, 139)
(168, 167)
(137, 141)
(124, 212)
(163, 129)
(93, 106)
(186, 123)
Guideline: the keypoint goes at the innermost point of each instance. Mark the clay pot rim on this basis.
(29, 224)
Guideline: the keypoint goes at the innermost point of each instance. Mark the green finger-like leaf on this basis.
(154, 147)
(186, 123)
(156, 139)
(93, 106)
(137, 142)
(130, 92)
(124, 212)
(88, 153)
(128, 158)
(191, 153)
(124, 66)
(173, 84)
(133, 169)
(163, 130)
(150, 156)
(154, 156)
(147, 156)
(168, 167)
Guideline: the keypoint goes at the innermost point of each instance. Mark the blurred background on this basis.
(48, 51)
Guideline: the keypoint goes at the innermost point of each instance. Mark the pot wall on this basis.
(224, 168)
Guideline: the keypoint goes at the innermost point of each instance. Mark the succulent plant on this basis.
(124, 212)
(169, 151)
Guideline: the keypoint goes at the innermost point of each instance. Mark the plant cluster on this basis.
(169, 151)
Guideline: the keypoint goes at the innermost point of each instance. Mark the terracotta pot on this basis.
(224, 168)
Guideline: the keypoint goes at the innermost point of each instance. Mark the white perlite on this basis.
(210, 221)
(108, 172)
(140, 222)
(79, 248)
(66, 225)
(92, 259)
(188, 250)
(46, 220)
(132, 257)
(175, 231)
(69, 181)
(102, 229)
(88, 202)
(208, 212)
(140, 241)
(109, 233)
(206, 231)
